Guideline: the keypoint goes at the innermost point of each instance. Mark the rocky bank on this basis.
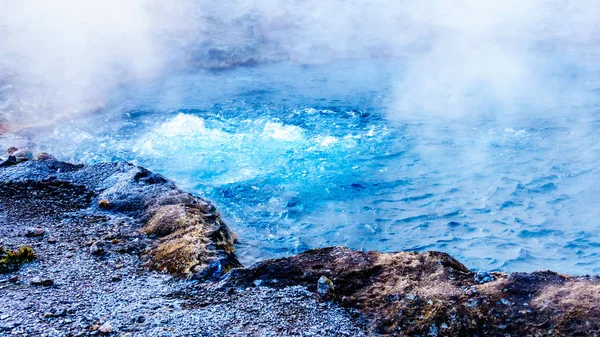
(121, 251)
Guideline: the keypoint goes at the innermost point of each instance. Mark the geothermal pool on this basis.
(305, 156)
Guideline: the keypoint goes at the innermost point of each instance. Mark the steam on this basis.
(63, 57)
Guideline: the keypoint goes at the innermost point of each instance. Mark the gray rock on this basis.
(106, 328)
(23, 155)
(97, 248)
(325, 287)
(38, 281)
(35, 232)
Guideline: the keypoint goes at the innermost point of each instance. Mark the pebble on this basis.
(45, 156)
(325, 287)
(35, 232)
(104, 204)
(38, 281)
(105, 328)
(13, 279)
(97, 248)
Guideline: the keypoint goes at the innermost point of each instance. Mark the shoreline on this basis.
(109, 231)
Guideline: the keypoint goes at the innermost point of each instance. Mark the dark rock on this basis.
(411, 294)
(11, 160)
(13, 279)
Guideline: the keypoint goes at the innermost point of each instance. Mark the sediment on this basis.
(122, 251)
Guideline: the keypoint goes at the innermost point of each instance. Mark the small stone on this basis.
(45, 156)
(52, 240)
(38, 281)
(11, 150)
(13, 279)
(104, 204)
(115, 278)
(105, 328)
(97, 248)
(325, 287)
(35, 232)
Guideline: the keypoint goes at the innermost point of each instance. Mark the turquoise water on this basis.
(298, 157)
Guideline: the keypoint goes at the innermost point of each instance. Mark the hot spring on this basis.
(469, 127)
(304, 156)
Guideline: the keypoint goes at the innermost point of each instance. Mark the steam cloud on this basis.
(65, 56)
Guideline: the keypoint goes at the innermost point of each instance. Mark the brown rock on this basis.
(407, 294)
(188, 239)
(45, 156)
(104, 204)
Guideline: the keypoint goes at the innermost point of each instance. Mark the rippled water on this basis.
(298, 157)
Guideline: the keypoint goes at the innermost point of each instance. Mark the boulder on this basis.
(431, 293)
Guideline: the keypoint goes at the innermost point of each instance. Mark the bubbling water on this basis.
(300, 157)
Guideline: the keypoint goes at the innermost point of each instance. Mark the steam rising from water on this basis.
(491, 152)
(69, 56)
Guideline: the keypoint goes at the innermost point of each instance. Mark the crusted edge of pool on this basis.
(399, 294)
(186, 236)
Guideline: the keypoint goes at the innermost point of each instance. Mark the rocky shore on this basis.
(114, 249)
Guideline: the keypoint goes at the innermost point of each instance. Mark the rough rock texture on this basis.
(116, 246)
(195, 241)
(91, 267)
(432, 294)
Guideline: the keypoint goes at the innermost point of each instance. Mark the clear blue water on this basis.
(298, 157)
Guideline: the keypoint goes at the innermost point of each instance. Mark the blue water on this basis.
(298, 157)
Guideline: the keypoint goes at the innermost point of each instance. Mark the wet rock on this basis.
(11, 160)
(11, 150)
(13, 279)
(325, 287)
(38, 281)
(97, 248)
(483, 277)
(45, 156)
(35, 232)
(22, 155)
